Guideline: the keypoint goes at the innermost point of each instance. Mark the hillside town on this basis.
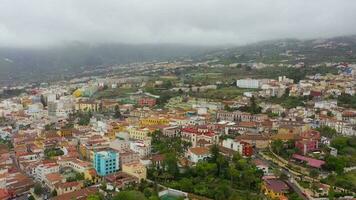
(161, 138)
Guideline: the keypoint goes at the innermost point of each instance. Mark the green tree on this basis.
(326, 131)
(117, 113)
(214, 151)
(331, 193)
(129, 195)
(38, 189)
(314, 173)
(94, 197)
(277, 146)
(54, 193)
(170, 162)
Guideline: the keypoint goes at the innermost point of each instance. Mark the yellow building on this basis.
(77, 93)
(26, 101)
(135, 169)
(87, 106)
(65, 132)
(91, 175)
(275, 189)
(153, 121)
(138, 133)
(295, 129)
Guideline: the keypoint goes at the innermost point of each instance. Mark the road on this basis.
(291, 179)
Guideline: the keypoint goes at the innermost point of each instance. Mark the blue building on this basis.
(106, 162)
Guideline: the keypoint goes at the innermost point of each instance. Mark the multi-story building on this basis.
(248, 83)
(143, 147)
(197, 154)
(153, 121)
(199, 135)
(243, 148)
(146, 101)
(308, 141)
(128, 156)
(86, 105)
(135, 169)
(138, 133)
(43, 169)
(106, 162)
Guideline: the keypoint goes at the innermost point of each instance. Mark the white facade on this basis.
(248, 83)
(233, 145)
(42, 170)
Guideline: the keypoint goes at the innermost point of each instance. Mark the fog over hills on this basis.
(29, 64)
(58, 62)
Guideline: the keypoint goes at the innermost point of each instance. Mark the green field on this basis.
(346, 180)
(225, 93)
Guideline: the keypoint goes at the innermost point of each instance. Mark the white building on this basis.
(233, 145)
(43, 169)
(197, 154)
(143, 148)
(248, 83)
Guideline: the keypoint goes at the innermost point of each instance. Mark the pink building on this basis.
(308, 141)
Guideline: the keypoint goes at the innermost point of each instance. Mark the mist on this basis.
(39, 23)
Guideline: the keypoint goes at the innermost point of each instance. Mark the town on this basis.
(181, 130)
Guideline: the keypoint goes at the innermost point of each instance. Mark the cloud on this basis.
(203, 22)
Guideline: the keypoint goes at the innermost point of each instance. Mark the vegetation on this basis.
(51, 126)
(95, 197)
(223, 93)
(253, 108)
(284, 149)
(38, 189)
(326, 131)
(163, 144)
(346, 147)
(6, 141)
(220, 178)
(344, 180)
(129, 195)
(52, 152)
(346, 101)
(217, 178)
(117, 113)
(82, 117)
(77, 177)
(288, 101)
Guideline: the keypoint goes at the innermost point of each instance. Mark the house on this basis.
(146, 101)
(52, 179)
(196, 154)
(193, 134)
(256, 140)
(87, 105)
(261, 165)
(128, 156)
(135, 169)
(171, 131)
(5, 194)
(309, 161)
(120, 180)
(81, 194)
(275, 189)
(308, 141)
(67, 187)
(242, 147)
(157, 160)
(45, 168)
(76, 164)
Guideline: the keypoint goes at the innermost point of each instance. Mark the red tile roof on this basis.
(310, 161)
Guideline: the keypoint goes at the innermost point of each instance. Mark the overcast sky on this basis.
(204, 22)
